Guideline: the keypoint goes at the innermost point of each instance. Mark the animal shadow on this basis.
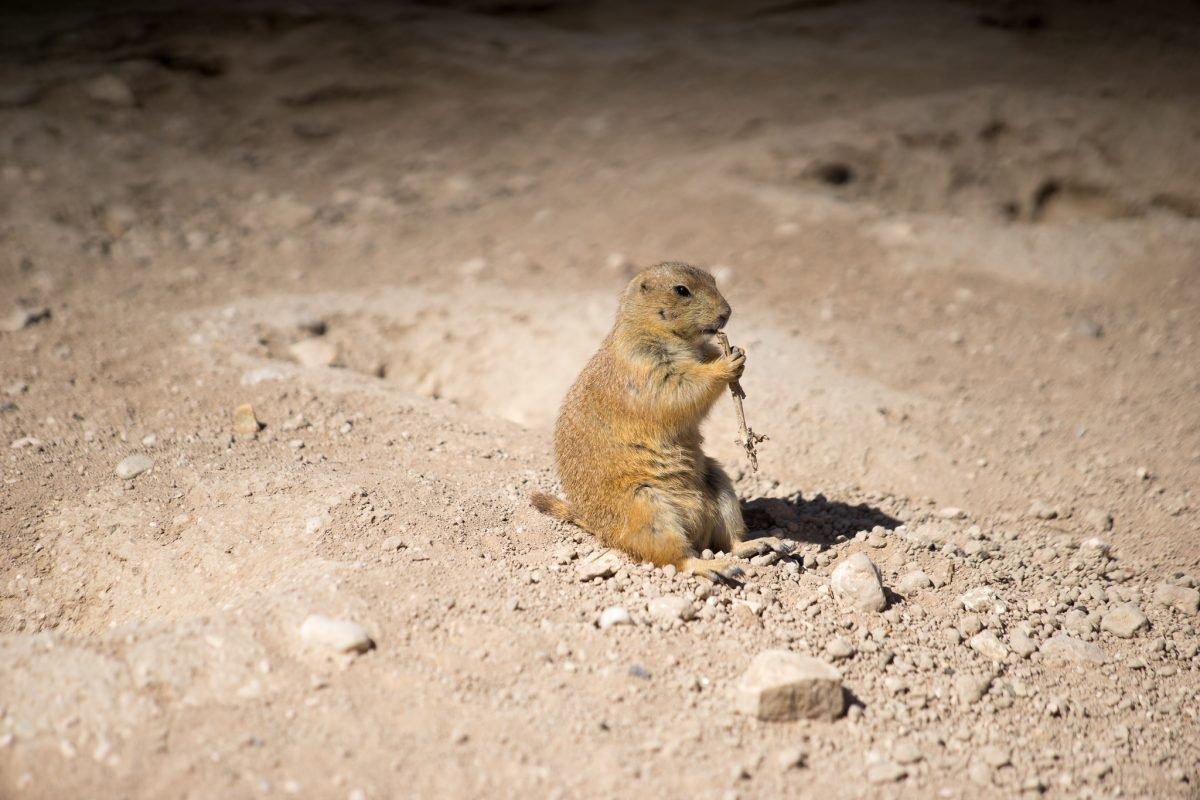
(817, 520)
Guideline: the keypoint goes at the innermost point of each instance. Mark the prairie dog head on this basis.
(675, 299)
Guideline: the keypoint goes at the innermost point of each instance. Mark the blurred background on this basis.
(961, 241)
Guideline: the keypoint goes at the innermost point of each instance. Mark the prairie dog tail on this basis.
(553, 506)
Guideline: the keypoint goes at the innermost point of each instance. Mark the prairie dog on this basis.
(627, 441)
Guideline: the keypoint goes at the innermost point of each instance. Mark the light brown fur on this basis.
(627, 442)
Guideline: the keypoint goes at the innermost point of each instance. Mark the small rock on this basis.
(886, 772)
(1094, 546)
(951, 512)
(970, 624)
(1180, 597)
(838, 648)
(601, 564)
(391, 544)
(982, 598)
(970, 689)
(782, 685)
(906, 752)
(314, 353)
(614, 615)
(988, 645)
(671, 608)
(942, 573)
(134, 465)
(1099, 519)
(244, 422)
(640, 672)
(337, 634)
(23, 318)
(110, 90)
(1021, 643)
(856, 584)
(1063, 649)
(994, 756)
(913, 582)
(1042, 510)
(791, 758)
(877, 540)
(1124, 621)
(28, 441)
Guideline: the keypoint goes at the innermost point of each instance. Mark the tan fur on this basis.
(627, 442)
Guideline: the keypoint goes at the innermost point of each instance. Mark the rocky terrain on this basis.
(289, 296)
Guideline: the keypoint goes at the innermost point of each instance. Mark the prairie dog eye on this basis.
(683, 291)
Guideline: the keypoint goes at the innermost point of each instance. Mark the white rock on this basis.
(23, 318)
(601, 564)
(337, 634)
(134, 465)
(28, 441)
(669, 608)
(110, 90)
(614, 615)
(856, 584)
(982, 598)
(1094, 546)
(1124, 621)
(988, 645)
(886, 772)
(1180, 597)
(782, 685)
(314, 353)
(1063, 649)
(1021, 643)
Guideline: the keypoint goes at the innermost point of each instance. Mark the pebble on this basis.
(245, 423)
(970, 624)
(1063, 649)
(314, 353)
(1094, 546)
(23, 318)
(982, 598)
(110, 90)
(886, 772)
(951, 512)
(1021, 643)
(988, 645)
(1179, 597)
(134, 465)
(994, 756)
(601, 564)
(913, 582)
(970, 689)
(1099, 519)
(856, 584)
(791, 758)
(1125, 621)
(781, 685)
(337, 634)
(28, 441)
(614, 615)
(906, 752)
(838, 648)
(1042, 510)
(877, 540)
(671, 608)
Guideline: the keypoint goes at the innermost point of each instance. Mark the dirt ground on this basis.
(962, 245)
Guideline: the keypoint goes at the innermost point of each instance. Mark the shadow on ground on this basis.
(818, 520)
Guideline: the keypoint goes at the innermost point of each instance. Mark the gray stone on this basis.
(1124, 621)
(856, 584)
(134, 465)
(988, 646)
(1180, 597)
(1063, 649)
(671, 608)
(782, 685)
(614, 615)
(336, 634)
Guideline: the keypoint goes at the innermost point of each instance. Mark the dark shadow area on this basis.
(817, 520)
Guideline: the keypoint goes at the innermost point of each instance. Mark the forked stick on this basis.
(749, 438)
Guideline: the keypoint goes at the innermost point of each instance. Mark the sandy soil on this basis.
(962, 245)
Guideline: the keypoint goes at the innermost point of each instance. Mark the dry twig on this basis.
(749, 438)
